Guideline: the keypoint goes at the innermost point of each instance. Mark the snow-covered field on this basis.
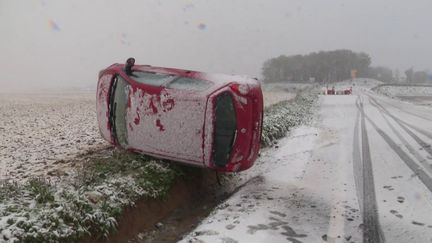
(38, 131)
(420, 95)
(273, 97)
(395, 91)
(360, 83)
(286, 87)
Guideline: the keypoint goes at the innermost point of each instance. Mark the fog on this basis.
(53, 44)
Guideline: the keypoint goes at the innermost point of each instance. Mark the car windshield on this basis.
(190, 84)
(151, 78)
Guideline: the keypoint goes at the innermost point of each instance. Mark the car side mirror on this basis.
(130, 62)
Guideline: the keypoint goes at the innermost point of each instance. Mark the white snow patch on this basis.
(38, 130)
(394, 91)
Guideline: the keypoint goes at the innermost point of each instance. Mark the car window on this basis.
(151, 78)
(189, 84)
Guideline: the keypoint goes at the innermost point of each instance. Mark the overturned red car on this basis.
(206, 120)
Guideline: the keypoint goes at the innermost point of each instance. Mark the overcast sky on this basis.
(60, 44)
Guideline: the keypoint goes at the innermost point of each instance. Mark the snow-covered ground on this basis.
(37, 131)
(361, 172)
(273, 97)
(286, 86)
(290, 197)
(420, 95)
(395, 91)
(361, 83)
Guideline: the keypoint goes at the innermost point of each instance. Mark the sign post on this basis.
(353, 74)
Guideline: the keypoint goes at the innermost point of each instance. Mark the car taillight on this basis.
(242, 89)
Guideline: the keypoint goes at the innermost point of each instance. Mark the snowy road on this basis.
(361, 173)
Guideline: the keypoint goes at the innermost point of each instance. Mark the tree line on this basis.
(417, 76)
(330, 66)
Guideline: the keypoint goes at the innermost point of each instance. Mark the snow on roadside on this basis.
(395, 91)
(363, 83)
(279, 118)
(273, 97)
(263, 209)
(289, 87)
(300, 191)
(258, 211)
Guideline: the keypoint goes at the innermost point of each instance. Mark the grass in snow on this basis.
(281, 117)
(88, 202)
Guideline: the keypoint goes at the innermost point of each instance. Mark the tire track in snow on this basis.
(410, 148)
(422, 131)
(372, 232)
(425, 146)
(427, 181)
(418, 129)
(408, 112)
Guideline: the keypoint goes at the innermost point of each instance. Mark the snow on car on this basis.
(206, 120)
